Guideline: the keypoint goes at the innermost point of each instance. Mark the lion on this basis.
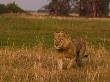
(67, 48)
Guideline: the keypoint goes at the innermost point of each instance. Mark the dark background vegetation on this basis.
(10, 8)
(93, 8)
(83, 7)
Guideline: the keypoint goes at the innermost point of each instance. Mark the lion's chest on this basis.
(69, 53)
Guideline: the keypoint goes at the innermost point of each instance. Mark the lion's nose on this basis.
(56, 44)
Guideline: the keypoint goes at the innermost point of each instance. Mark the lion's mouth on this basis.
(57, 46)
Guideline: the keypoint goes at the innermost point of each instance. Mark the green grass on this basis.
(17, 31)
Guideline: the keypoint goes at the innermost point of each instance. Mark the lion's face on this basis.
(61, 40)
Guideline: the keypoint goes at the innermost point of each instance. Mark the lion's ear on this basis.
(55, 33)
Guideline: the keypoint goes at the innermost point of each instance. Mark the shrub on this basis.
(3, 8)
(12, 7)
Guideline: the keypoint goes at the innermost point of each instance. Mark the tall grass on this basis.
(38, 64)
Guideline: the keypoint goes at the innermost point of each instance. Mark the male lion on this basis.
(67, 48)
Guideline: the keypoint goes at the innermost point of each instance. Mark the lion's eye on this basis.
(61, 39)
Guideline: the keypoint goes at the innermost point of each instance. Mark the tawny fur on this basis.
(74, 49)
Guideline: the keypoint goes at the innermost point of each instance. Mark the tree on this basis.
(59, 7)
(94, 7)
(3, 9)
(12, 7)
(54, 7)
(103, 8)
(84, 7)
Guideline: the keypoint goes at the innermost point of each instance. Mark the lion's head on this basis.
(61, 40)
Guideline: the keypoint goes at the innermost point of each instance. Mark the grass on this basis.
(38, 64)
(19, 31)
(27, 54)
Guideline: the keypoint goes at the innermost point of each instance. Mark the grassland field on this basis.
(27, 53)
(20, 31)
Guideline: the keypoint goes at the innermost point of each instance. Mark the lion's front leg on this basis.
(60, 63)
(71, 63)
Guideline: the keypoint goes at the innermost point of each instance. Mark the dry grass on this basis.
(39, 65)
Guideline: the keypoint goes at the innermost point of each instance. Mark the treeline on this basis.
(10, 8)
(83, 7)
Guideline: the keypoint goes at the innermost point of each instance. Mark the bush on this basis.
(3, 8)
(12, 7)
